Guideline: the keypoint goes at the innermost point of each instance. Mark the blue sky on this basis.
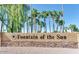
(71, 11)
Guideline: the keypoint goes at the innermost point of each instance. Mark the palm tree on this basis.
(49, 20)
(57, 19)
(28, 23)
(59, 14)
(26, 9)
(73, 27)
(49, 25)
(53, 16)
(2, 13)
(1, 17)
(31, 24)
(62, 7)
(45, 15)
(34, 13)
(61, 23)
(40, 22)
(40, 25)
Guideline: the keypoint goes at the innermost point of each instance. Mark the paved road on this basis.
(37, 50)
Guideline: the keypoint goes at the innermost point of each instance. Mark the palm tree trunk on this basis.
(45, 26)
(34, 25)
(40, 28)
(27, 26)
(57, 28)
(61, 29)
(53, 26)
(24, 28)
(63, 16)
(49, 26)
(31, 26)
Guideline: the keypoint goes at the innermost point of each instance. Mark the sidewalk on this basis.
(37, 50)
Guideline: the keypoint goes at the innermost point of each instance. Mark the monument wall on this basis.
(65, 40)
(0, 39)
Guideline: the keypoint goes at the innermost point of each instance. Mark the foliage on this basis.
(19, 16)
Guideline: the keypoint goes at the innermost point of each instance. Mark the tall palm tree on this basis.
(31, 24)
(27, 12)
(61, 23)
(45, 15)
(49, 20)
(40, 23)
(34, 13)
(53, 16)
(62, 7)
(28, 23)
(59, 14)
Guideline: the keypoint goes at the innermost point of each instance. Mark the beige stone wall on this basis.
(0, 39)
(70, 36)
(78, 38)
(71, 40)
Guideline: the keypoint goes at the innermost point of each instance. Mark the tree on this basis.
(34, 13)
(49, 20)
(27, 15)
(40, 25)
(2, 13)
(53, 16)
(73, 28)
(59, 14)
(28, 21)
(45, 15)
(62, 7)
(1, 17)
(31, 24)
(61, 23)
(40, 22)
(16, 17)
